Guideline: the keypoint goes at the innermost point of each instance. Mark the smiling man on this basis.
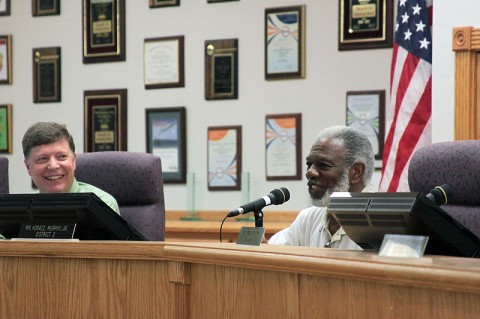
(49, 156)
(341, 159)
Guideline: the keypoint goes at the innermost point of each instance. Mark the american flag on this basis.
(409, 121)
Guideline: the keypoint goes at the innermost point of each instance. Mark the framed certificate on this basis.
(163, 65)
(46, 75)
(6, 128)
(221, 69)
(103, 30)
(365, 24)
(224, 158)
(5, 59)
(105, 120)
(285, 43)
(366, 112)
(163, 3)
(4, 7)
(45, 7)
(283, 145)
(166, 138)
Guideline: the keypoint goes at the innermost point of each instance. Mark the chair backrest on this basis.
(4, 188)
(454, 163)
(136, 182)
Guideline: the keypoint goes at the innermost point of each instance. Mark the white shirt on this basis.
(310, 228)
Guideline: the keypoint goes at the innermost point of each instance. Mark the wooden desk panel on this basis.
(201, 280)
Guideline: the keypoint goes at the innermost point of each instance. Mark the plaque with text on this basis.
(46, 75)
(283, 145)
(103, 31)
(224, 158)
(166, 137)
(164, 62)
(365, 24)
(4, 7)
(163, 3)
(105, 120)
(5, 59)
(45, 7)
(221, 69)
(285, 42)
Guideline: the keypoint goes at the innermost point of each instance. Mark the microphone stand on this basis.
(258, 218)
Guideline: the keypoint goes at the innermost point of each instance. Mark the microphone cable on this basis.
(221, 225)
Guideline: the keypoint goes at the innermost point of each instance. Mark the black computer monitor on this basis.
(367, 217)
(92, 218)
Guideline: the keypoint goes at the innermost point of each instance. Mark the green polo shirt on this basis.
(80, 187)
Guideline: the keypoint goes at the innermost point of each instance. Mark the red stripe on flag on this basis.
(412, 133)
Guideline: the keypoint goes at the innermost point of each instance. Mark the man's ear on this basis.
(355, 176)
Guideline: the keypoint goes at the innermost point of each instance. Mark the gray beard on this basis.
(342, 186)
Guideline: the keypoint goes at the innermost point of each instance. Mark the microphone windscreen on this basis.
(281, 195)
(441, 194)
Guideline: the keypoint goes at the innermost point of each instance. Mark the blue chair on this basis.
(4, 186)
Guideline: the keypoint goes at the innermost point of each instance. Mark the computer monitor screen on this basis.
(92, 218)
(367, 217)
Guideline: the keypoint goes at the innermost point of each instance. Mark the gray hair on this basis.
(357, 147)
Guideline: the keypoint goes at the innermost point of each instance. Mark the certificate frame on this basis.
(221, 69)
(228, 154)
(5, 59)
(283, 146)
(45, 7)
(105, 120)
(163, 3)
(365, 24)
(285, 42)
(103, 31)
(164, 62)
(46, 74)
(6, 128)
(366, 111)
(166, 137)
(5, 8)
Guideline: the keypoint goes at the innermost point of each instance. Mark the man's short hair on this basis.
(43, 133)
(358, 148)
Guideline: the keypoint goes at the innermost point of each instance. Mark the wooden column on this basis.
(466, 45)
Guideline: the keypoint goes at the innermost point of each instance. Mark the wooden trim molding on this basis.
(466, 45)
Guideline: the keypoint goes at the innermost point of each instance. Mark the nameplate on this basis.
(251, 236)
(47, 230)
(406, 246)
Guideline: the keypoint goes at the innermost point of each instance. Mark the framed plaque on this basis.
(163, 3)
(366, 112)
(5, 59)
(166, 138)
(214, 1)
(365, 24)
(6, 128)
(45, 7)
(163, 65)
(103, 31)
(285, 42)
(46, 75)
(221, 69)
(105, 120)
(224, 158)
(4, 7)
(283, 146)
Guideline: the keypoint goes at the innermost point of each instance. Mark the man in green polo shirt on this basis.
(49, 156)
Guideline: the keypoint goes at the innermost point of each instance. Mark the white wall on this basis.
(320, 97)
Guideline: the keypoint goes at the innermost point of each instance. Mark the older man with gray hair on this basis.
(341, 159)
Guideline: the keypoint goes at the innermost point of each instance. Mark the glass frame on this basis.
(6, 59)
(159, 123)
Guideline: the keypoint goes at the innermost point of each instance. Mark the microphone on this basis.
(276, 197)
(440, 195)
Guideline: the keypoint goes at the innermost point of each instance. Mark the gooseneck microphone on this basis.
(441, 195)
(275, 197)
